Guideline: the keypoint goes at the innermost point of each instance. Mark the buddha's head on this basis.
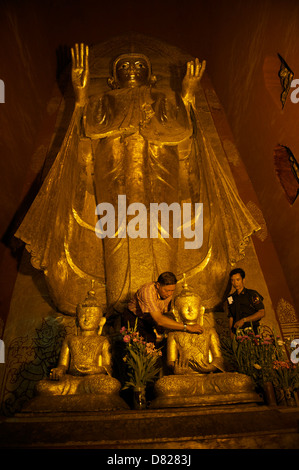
(187, 306)
(90, 314)
(131, 70)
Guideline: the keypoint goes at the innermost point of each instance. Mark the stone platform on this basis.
(204, 389)
(211, 427)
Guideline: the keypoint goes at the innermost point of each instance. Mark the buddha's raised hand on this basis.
(194, 73)
(80, 72)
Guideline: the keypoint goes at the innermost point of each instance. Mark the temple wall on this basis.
(28, 71)
(244, 65)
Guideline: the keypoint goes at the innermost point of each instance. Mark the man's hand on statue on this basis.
(195, 71)
(57, 373)
(80, 72)
(195, 329)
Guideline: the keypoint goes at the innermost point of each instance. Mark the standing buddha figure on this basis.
(148, 142)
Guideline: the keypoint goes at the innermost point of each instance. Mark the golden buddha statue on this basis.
(197, 363)
(188, 353)
(149, 139)
(84, 366)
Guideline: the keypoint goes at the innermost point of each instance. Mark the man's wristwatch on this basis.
(185, 327)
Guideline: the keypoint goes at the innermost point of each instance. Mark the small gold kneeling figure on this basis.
(85, 360)
(188, 353)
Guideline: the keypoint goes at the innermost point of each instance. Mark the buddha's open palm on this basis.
(80, 72)
(194, 73)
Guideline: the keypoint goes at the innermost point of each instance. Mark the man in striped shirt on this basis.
(150, 305)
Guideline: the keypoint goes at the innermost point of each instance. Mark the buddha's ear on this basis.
(201, 315)
(101, 325)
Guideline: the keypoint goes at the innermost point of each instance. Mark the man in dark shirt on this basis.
(245, 306)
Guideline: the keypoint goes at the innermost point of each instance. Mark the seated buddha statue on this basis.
(188, 353)
(84, 365)
(198, 375)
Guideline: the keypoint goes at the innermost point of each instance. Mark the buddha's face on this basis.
(189, 310)
(132, 72)
(89, 318)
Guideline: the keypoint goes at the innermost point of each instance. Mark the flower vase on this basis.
(269, 394)
(290, 398)
(139, 399)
